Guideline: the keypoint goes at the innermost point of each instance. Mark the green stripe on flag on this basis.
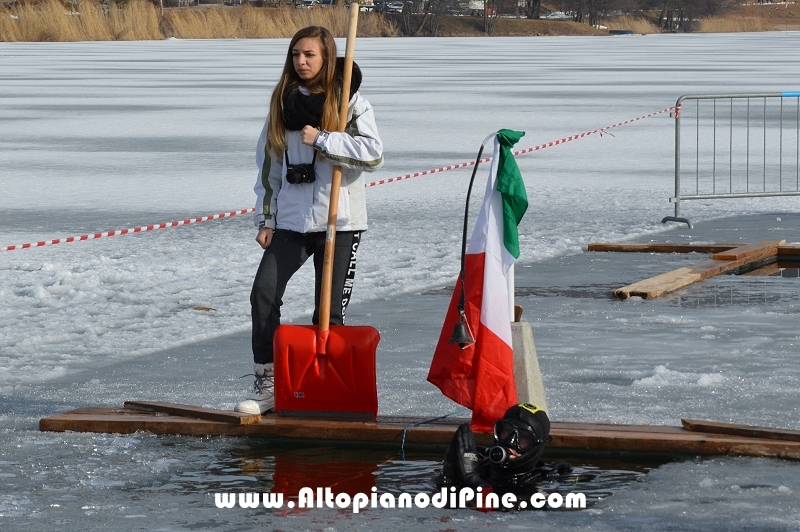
(512, 188)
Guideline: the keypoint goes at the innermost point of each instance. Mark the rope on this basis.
(141, 229)
(600, 131)
(564, 140)
(403, 442)
(426, 172)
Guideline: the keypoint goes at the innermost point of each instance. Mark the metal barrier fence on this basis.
(736, 146)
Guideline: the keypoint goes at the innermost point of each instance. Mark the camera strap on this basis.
(286, 156)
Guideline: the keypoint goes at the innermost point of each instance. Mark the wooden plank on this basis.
(682, 277)
(125, 421)
(209, 414)
(656, 247)
(681, 442)
(740, 430)
(615, 427)
(585, 436)
(790, 250)
(756, 248)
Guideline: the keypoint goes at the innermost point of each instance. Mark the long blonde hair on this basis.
(323, 83)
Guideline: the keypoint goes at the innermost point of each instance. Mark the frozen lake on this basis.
(100, 136)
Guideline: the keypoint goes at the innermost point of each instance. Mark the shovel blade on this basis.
(340, 384)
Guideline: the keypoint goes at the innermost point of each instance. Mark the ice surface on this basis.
(104, 136)
(100, 136)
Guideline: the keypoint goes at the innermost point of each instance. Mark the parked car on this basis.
(394, 7)
(308, 4)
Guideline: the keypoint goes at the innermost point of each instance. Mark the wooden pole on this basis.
(336, 180)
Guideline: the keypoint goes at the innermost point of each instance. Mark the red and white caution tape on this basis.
(426, 172)
(588, 133)
(599, 131)
(141, 229)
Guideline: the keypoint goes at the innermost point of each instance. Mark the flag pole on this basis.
(461, 333)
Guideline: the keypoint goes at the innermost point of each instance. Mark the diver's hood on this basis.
(531, 417)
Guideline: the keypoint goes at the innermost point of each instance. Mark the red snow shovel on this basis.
(328, 371)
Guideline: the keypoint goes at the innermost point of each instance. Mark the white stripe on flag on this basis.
(488, 238)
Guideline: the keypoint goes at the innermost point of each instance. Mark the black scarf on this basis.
(300, 110)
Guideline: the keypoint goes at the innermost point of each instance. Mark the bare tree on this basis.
(406, 15)
(673, 15)
(441, 8)
(533, 8)
(492, 11)
(587, 11)
(683, 15)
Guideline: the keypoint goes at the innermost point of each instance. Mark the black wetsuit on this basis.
(466, 464)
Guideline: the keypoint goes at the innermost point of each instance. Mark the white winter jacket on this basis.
(304, 207)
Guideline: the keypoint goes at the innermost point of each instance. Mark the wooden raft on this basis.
(726, 257)
(697, 437)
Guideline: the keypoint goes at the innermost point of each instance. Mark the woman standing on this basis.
(296, 154)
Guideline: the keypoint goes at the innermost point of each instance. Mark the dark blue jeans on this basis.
(287, 253)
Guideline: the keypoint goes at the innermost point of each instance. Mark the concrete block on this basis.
(527, 375)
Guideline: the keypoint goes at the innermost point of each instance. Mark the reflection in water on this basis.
(256, 465)
(326, 469)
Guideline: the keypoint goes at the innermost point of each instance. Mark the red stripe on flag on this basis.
(481, 376)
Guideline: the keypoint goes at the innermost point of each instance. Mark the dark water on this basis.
(259, 465)
(132, 481)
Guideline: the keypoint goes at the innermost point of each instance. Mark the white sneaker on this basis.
(263, 398)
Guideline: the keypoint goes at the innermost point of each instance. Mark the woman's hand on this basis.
(264, 237)
(308, 135)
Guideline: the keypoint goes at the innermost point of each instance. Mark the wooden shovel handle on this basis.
(336, 180)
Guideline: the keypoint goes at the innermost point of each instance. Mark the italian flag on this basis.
(480, 376)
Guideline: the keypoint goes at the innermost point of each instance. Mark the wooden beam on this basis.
(197, 412)
(655, 247)
(789, 250)
(389, 431)
(756, 248)
(385, 430)
(682, 277)
(741, 430)
(126, 421)
(675, 441)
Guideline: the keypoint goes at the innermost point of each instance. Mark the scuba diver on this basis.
(512, 464)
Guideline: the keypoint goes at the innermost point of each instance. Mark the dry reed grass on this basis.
(51, 20)
(730, 25)
(636, 24)
(254, 23)
(139, 21)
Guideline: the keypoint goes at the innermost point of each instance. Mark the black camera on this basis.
(297, 174)
(498, 455)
